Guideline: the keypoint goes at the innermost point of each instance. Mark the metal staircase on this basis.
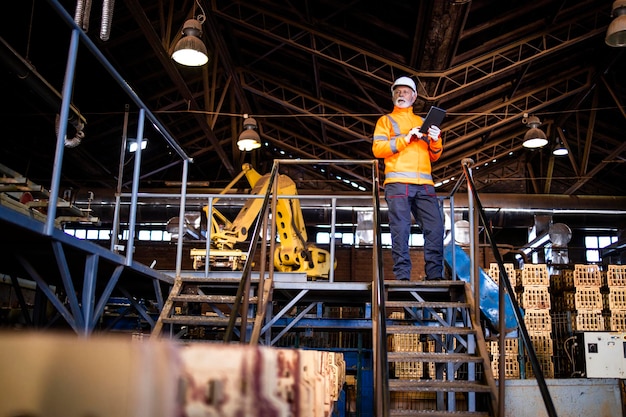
(437, 355)
(190, 307)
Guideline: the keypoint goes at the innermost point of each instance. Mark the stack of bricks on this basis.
(616, 283)
(511, 357)
(405, 343)
(411, 343)
(511, 344)
(563, 291)
(408, 370)
(494, 273)
(563, 312)
(535, 300)
(513, 274)
(588, 298)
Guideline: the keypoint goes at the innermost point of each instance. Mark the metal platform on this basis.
(85, 275)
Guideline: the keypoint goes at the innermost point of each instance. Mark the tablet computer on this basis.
(434, 117)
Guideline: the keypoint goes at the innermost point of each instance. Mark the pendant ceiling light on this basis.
(616, 32)
(249, 138)
(559, 149)
(190, 50)
(534, 137)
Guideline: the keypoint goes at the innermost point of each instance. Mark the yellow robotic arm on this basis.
(293, 254)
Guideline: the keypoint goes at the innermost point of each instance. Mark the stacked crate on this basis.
(413, 343)
(563, 291)
(405, 343)
(588, 298)
(535, 291)
(511, 357)
(511, 344)
(494, 273)
(616, 283)
(563, 313)
(535, 299)
(513, 274)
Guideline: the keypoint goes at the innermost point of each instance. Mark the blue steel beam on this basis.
(106, 294)
(82, 313)
(41, 284)
(89, 290)
(66, 277)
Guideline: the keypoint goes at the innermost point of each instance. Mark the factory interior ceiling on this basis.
(316, 76)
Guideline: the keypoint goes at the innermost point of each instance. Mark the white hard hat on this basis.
(406, 81)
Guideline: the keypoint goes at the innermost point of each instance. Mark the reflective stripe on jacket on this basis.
(405, 161)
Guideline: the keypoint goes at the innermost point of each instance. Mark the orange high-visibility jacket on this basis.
(405, 161)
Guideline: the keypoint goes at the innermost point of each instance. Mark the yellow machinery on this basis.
(292, 254)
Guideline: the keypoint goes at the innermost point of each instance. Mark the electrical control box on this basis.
(605, 354)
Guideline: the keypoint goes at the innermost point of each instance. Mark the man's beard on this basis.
(402, 103)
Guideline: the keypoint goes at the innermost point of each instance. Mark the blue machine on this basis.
(488, 288)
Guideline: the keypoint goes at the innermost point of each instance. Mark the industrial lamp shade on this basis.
(534, 137)
(249, 139)
(190, 50)
(616, 32)
(560, 149)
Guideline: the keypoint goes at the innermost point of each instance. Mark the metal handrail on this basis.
(378, 280)
(379, 330)
(244, 283)
(504, 281)
(79, 36)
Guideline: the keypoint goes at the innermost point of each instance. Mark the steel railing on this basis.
(476, 210)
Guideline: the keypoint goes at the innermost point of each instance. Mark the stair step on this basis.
(436, 413)
(200, 298)
(235, 279)
(429, 330)
(433, 385)
(201, 320)
(433, 357)
(425, 284)
(427, 304)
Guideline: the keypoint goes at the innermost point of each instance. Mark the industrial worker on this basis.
(409, 187)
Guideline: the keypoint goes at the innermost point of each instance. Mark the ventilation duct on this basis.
(548, 242)
(83, 11)
(78, 136)
(560, 235)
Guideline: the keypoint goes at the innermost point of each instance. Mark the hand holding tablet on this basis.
(434, 117)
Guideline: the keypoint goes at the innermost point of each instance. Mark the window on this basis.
(89, 234)
(144, 235)
(105, 234)
(323, 237)
(92, 234)
(154, 235)
(416, 239)
(347, 238)
(343, 238)
(593, 244)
